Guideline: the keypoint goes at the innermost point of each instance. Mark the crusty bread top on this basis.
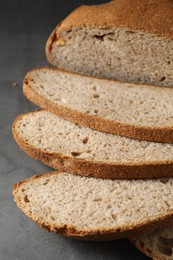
(78, 206)
(150, 16)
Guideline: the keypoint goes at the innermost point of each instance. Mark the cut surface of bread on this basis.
(94, 208)
(157, 244)
(67, 146)
(137, 111)
(127, 40)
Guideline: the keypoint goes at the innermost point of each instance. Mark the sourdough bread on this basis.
(127, 40)
(158, 244)
(70, 147)
(90, 208)
(140, 112)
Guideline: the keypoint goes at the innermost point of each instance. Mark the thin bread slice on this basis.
(157, 244)
(70, 147)
(95, 209)
(135, 111)
(127, 40)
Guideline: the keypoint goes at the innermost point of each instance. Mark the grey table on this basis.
(24, 28)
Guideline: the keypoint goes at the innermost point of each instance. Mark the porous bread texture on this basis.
(79, 206)
(137, 111)
(66, 146)
(132, 43)
(158, 243)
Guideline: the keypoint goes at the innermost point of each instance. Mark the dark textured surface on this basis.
(24, 28)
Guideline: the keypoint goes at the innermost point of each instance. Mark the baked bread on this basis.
(140, 112)
(157, 244)
(94, 209)
(67, 146)
(127, 40)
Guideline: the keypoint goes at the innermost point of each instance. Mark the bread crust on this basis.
(139, 245)
(97, 169)
(94, 234)
(154, 17)
(145, 133)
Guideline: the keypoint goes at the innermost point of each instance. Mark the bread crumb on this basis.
(14, 84)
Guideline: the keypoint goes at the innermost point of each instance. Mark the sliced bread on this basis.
(90, 208)
(127, 40)
(140, 112)
(67, 146)
(157, 244)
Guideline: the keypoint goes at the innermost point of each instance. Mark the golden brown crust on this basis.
(93, 234)
(146, 133)
(153, 16)
(96, 169)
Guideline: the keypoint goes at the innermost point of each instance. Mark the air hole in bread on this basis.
(130, 32)
(111, 39)
(164, 180)
(97, 199)
(52, 218)
(46, 182)
(163, 78)
(94, 88)
(41, 86)
(85, 140)
(96, 96)
(32, 80)
(113, 215)
(75, 154)
(79, 126)
(99, 37)
(96, 111)
(26, 199)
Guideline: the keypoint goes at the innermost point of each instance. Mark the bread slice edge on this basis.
(123, 231)
(145, 133)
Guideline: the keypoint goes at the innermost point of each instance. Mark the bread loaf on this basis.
(126, 40)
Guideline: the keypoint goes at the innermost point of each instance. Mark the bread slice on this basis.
(158, 244)
(140, 112)
(128, 40)
(90, 208)
(70, 147)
